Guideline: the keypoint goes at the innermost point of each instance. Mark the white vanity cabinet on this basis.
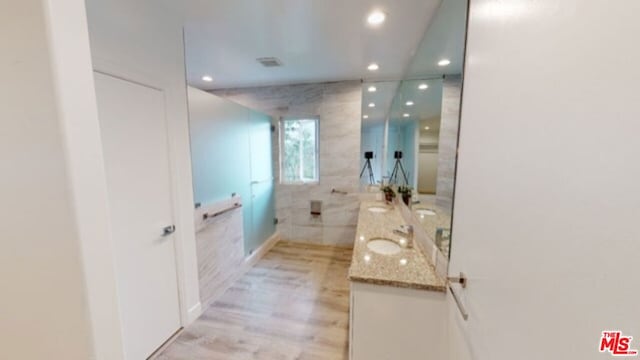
(394, 323)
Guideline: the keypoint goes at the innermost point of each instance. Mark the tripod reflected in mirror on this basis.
(398, 169)
(368, 155)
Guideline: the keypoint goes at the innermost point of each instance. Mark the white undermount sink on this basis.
(383, 246)
(378, 209)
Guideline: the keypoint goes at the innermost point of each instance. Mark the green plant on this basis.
(388, 191)
(405, 191)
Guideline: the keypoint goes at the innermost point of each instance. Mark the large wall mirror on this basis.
(410, 125)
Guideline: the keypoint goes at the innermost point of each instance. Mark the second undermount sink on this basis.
(383, 246)
(378, 209)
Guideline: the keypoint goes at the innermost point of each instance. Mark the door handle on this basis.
(168, 230)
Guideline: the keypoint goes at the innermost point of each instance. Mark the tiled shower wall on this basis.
(448, 143)
(338, 106)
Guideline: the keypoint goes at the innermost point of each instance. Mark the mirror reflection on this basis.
(410, 126)
(436, 133)
(374, 121)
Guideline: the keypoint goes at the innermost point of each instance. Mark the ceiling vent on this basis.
(269, 61)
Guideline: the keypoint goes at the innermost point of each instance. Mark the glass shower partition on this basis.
(262, 180)
(231, 151)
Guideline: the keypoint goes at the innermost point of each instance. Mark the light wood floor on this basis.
(294, 304)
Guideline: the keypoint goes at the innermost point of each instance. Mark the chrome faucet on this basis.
(405, 231)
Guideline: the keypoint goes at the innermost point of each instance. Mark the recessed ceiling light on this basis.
(426, 128)
(365, 116)
(409, 103)
(372, 105)
(207, 78)
(376, 17)
(405, 115)
(423, 86)
(444, 62)
(373, 67)
(372, 89)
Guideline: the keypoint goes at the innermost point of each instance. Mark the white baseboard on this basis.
(194, 312)
(258, 253)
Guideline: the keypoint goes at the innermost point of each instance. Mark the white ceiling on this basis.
(444, 39)
(382, 98)
(316, 40)
(427, 104)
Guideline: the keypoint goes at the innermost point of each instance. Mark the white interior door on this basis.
(547, 201)
(428, 172)
(134, 135)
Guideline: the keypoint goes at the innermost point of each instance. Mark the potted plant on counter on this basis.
(389, 194)
(405, 191)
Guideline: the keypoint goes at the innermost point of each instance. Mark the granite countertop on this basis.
(409, 268)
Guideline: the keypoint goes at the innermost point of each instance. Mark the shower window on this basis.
(299, 151)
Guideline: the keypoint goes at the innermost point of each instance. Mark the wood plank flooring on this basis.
(294, 304)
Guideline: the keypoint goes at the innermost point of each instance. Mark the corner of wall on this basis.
(74, 88)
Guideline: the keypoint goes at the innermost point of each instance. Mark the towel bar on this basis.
(206, 216)
(462, 280)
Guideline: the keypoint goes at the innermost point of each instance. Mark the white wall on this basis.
(58, 289)
(547, 199)
(57, 267)
(142, 41)
(338, 106)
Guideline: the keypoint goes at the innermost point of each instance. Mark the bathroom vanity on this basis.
(398, 308)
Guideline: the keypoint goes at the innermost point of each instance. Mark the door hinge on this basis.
(168, 230)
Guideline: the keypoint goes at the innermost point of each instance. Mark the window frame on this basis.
(283, 120)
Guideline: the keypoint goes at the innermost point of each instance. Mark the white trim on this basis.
(314, 181)
(71, 68)
(259, 253)
(310, 182)
(178, 217)
(194, 312)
